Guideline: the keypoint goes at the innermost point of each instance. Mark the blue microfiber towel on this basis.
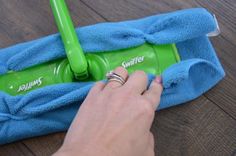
(52, 108)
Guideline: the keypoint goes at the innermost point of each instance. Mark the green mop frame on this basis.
(77, 67)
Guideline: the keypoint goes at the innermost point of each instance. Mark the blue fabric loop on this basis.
(167, 28)
(182, 71)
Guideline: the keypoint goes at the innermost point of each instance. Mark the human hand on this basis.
(115, 119)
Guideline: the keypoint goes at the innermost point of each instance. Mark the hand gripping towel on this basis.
(52, 108)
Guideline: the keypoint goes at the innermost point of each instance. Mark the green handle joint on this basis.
(73, 49)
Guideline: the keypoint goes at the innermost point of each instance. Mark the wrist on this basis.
(61, 152)
(76, 151)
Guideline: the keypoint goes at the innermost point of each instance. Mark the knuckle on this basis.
(113, 85)
(140, 72)
(152, 100)
(146, 101)
(146, 109)
(157, 89)
(151, 136)
(128, 91)
(121, 68)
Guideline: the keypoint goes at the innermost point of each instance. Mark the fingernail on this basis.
(158, 79)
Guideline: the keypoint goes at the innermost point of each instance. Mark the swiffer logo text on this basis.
(133, 61)
(29, 85)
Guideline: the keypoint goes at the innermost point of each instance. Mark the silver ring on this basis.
(111, 76)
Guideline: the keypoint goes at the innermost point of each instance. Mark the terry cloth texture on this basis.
(52, 108)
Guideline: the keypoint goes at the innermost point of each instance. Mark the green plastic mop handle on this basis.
(74, 52)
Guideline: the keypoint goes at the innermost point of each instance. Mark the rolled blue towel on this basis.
(52, 108)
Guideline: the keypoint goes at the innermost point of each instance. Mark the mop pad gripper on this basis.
(52, 108)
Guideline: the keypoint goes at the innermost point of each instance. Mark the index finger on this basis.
(153, 94)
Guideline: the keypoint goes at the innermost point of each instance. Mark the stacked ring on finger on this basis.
(111, 76)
